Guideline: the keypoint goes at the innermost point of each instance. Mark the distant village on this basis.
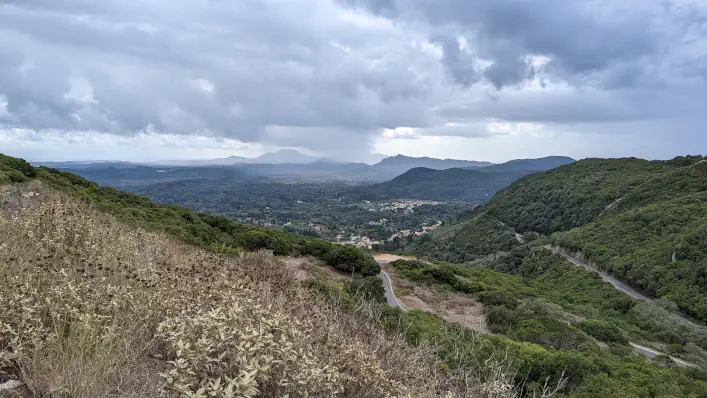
(397, 206)
(359, 235)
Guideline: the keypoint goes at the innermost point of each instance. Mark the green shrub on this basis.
(368, 288)
(470, 287)
(604, 331)
(498, 298)
(442, 275)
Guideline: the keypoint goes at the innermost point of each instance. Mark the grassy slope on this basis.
(95, 308)
(215, 232)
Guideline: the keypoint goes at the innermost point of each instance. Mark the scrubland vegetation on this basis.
(92, 307)
(561, 318)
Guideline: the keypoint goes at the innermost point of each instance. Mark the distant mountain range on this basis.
(403, 163)
(476, 184)
(283, 156)
(292, 165)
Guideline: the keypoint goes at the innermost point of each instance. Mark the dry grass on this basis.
(92, 308)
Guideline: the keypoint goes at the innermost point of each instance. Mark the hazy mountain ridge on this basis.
(475, 184)
(289, 163)
(402, 161)
(539, 164)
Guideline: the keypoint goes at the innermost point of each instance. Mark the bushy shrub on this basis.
(442, 275)
(498, 297)
(470, 287)
(368, 288)
(604, 331)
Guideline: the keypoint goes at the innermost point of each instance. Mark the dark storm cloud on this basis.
(214, 68)
(331, 75)
(604, 42)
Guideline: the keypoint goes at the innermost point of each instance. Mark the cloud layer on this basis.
(340, 77)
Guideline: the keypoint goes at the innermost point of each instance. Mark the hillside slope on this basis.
(95, 308)
(644, 221)
(214, 232)
(573, 195)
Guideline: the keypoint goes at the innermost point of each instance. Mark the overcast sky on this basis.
(471, 79)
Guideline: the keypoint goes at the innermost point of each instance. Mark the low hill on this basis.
(643, 221)
(450, 184)
(396, 165)
(474, 185)
(286, 156)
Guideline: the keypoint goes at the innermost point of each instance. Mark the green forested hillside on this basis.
(451, 184)
(468, 184)
(218, 233)
(643, 221)
(573, 195)
(661, 249)
(467, 240)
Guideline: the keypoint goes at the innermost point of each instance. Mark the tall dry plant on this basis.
(90, 307)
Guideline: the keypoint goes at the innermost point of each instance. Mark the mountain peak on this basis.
(285, 156)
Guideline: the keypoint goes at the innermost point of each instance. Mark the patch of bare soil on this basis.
(415, 303)
(386, 258)
(450, 306)
(308, 267)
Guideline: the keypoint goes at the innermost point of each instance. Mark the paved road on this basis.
(620, 286)
(651, 353)
(389, 294)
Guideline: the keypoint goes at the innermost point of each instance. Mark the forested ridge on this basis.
(451, 184)
(643, 221)
(576, 194)
(215, 232)
(459, 183)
